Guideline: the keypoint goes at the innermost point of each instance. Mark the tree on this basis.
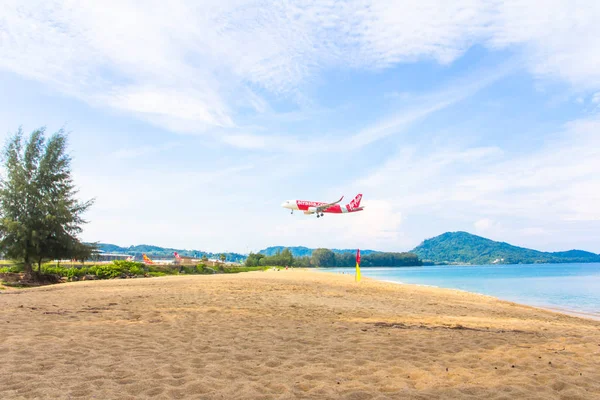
(204, 258)
(222, 257)
(40, 217)
(254, 260)
(323, 258)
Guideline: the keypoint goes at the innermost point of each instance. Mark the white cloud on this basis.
(483, 225)
(377, 227)
(421, 107)
(534, 231)
(555, 186)
(188, 67)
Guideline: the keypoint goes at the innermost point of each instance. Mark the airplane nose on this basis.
(284, 204)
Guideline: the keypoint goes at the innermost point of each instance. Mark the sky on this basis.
(191, 122)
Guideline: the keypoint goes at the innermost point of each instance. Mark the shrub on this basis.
(108, 271)
(13, 269)
(129, 265)
(135, 270)
(166, 269)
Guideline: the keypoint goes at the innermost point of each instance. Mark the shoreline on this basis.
(595, 316)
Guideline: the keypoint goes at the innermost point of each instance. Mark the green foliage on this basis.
(203, 269)
(302, 262)
(465, 248)
(328, 258)
(323, 258)
(129, 265)
(166, 269)
(300, 251)
(40, 216)
(254, 260)
(280, 258)
(107, 271)
(11, 269)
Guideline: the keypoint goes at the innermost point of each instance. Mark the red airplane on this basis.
(319, 208)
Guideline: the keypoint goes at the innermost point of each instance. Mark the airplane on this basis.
(319, 208)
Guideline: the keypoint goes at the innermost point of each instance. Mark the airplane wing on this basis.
(326, 206)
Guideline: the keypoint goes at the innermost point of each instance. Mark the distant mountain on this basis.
(164, 252)
(448, 248)
(299, 251)
(465, 248)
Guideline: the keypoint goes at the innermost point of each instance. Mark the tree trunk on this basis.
(28, 268)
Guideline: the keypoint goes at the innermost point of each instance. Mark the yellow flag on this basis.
(358, 265)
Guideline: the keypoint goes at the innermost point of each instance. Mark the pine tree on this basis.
(40, 217)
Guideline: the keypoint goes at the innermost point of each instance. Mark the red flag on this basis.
(358, 256)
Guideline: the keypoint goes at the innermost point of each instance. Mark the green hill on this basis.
(465, 248)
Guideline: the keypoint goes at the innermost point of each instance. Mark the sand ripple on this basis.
(287, 335)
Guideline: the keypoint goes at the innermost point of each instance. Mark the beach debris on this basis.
(401, 325)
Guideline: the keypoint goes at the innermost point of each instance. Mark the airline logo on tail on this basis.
(147, 260)
(177, 256)
(356, 202)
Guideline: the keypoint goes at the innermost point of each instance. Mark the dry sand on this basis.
(287, 334)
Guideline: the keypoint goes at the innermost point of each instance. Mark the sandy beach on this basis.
(285, 335)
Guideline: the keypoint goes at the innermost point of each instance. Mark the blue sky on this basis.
(190, 123)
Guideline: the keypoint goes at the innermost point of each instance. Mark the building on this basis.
(101, 256)
(185, 260)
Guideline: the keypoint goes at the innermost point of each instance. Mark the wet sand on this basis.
(286, 335)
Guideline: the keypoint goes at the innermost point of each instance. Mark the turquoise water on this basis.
(570, 287)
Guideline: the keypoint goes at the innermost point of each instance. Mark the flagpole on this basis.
(357, 276)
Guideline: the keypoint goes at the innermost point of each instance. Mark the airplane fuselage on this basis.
(312, 207)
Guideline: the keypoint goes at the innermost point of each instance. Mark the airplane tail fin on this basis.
(356, 202)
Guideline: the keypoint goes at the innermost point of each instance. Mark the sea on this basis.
(570, 288)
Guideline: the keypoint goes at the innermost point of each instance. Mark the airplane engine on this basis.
(312, 209)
